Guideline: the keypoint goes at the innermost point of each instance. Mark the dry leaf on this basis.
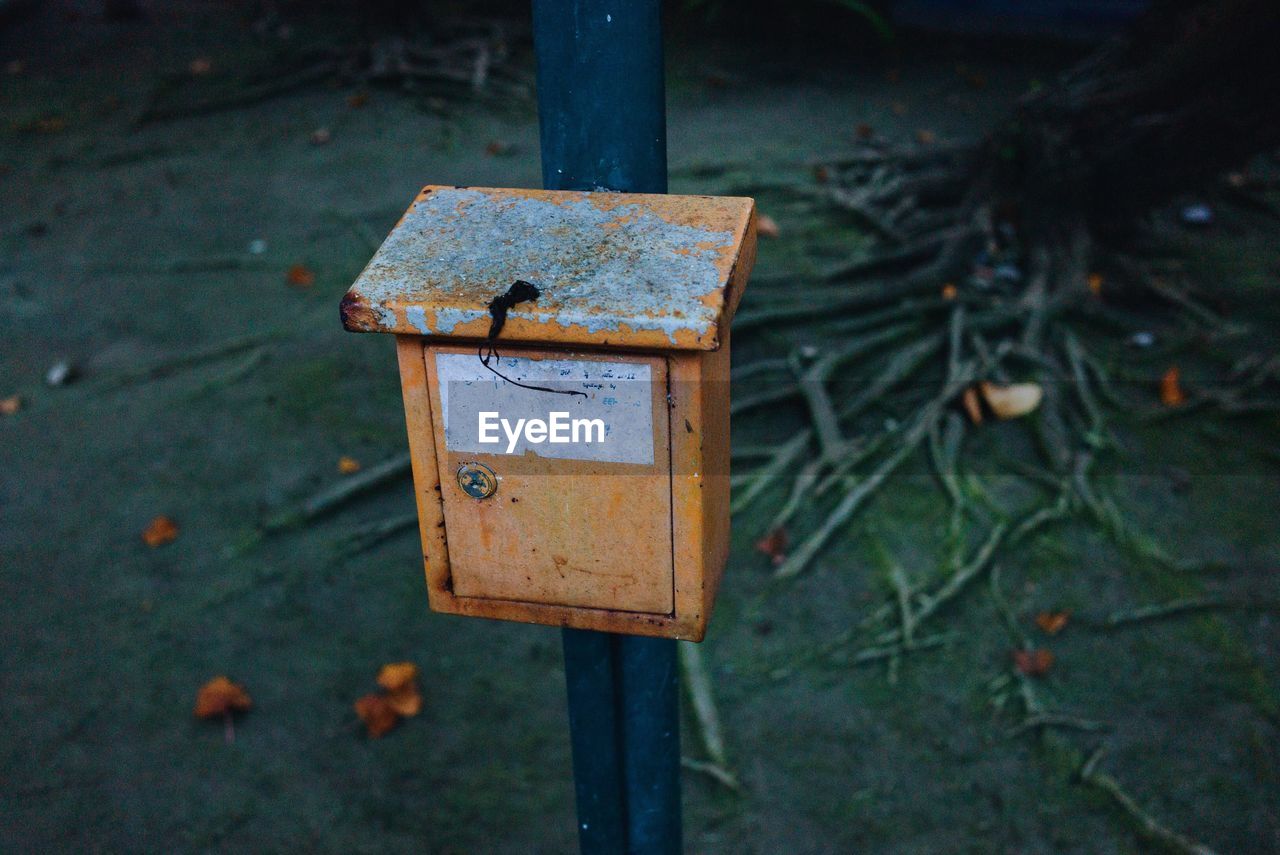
(396, 675)
(200, 66)
(898, 108)
(774, 544)
(821, 174)
(1013, 400)
(972, 405)
(219, 697)
(1171, 394)
(767, 226)
(893, 75)
(376, 713)
(1033, 663)
(50, 125)
(499, 148)
(925, 136)
(348, 465)
(321, 136)
(357, 100)
(160, 531)
(1095, 284)
(300, 276)
(949, 291)
(1052, 623)
(406, 702)
(864, 131)
(10, 405)
(14, 66)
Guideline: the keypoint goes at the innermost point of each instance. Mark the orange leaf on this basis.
(1171, 394)
(1033, 663)
(949, 291)
(200, 66)
(376, 713)
(767, 226)
(972, 405)
(160, 531)
(1095, 284)
(300, 276)
(348, 465)
(898, 108)
(10, 405)
(357, 100)
(925, 136)
(1052, 623)
(774, 544)
(821, 174)
(395, 676)
(864, 131)
(220, 696)
(406, 702)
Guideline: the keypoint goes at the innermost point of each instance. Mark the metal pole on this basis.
(601, 105)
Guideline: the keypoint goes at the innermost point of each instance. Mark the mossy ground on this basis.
(127, 244)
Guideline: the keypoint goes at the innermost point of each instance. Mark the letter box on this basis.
(564, 359)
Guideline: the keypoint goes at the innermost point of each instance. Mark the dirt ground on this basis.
(128, 245)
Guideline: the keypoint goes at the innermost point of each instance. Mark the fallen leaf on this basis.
(200, 66)
(893, 75)
(1095, 284)
(396, 675)
(972, 405)
(1052, 623)
(50, 125)
(14, 66)
(10, 405)
(348, 465)
(376, 713)
(949, 291)
(898, 108)
(1033, 663)
(219, 697)
(864, 131)
(321, 136)
(499, 148)
(774, 544)
(160, 531)
(300, 276)
(1013, 400)
(821, 174)
(767, 226)
(926, 137)
(406, 702)
(1171, 394)
(357, 100)
(400, 679)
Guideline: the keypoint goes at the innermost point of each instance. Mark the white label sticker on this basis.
(584, 410)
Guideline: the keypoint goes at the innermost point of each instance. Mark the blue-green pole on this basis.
(601, 106)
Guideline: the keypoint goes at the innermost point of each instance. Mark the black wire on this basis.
(520, 291)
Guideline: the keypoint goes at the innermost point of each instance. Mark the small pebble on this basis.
(257, 247)
(1142, 339)
(60, 373)
(1198, 214)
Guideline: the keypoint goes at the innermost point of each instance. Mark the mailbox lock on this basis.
(477, 480)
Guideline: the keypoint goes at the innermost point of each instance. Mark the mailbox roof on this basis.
(615, 269)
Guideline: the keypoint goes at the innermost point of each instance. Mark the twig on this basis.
(333, 497)
(1148, 826)
(1177, 608)
(166, 368)
(697, 682)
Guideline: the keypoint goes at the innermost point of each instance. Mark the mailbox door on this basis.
(572, 525)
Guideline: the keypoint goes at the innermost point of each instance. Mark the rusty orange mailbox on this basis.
(564, 358)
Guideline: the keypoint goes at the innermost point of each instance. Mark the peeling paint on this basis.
(629, 269)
